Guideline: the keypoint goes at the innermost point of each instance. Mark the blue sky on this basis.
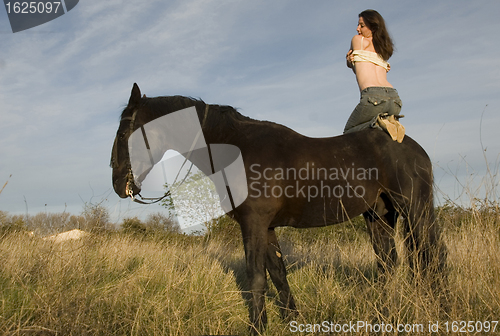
(63, 84)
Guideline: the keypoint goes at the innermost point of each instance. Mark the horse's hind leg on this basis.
(277, 270)
(381, 221)
(427, 252)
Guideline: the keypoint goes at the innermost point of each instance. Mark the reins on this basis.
(130, 175)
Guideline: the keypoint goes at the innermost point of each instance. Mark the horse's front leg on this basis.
(277, 270)
(254, 232)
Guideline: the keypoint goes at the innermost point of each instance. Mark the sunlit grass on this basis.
(126, 284)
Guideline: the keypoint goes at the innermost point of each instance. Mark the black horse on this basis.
(303, 182)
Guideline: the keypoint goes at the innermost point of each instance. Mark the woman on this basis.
(367, 57)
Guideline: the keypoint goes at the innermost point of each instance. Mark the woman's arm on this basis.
(349, 58)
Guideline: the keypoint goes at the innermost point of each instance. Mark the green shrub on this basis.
(133, 226)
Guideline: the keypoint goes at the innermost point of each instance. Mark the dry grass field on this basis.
(116, 283)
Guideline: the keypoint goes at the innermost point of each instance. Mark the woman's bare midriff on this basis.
(369, 74)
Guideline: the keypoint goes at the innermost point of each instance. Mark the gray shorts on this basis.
(374, 101)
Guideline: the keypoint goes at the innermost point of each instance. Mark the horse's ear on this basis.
(135, 95)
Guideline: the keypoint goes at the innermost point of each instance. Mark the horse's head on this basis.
(141, 143)
(123, 181)
(151, 126)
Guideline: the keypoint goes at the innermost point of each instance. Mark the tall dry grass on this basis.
(115, 285)
(118, 284)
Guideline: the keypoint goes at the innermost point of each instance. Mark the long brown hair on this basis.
(382, 41)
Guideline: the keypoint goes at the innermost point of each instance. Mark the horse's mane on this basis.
(227, 116)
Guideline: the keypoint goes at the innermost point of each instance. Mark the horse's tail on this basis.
(423, 232)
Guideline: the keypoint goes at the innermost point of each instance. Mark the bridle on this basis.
(130, 175)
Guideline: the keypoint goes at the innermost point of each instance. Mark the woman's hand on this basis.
(349, 58)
